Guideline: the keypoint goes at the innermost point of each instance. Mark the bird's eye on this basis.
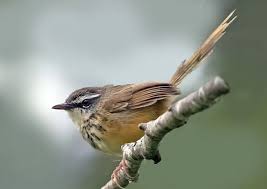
(86, 103)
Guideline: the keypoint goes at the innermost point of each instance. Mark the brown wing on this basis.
(134, 96)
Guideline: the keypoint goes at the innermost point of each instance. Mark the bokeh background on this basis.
(49, 48)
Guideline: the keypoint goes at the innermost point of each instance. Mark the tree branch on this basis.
(176, 116)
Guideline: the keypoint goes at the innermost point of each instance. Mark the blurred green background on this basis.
(49, 48)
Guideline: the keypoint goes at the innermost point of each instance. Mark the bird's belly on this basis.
(109, 136)
(123, 127)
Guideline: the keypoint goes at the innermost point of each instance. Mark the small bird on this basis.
(108, 116)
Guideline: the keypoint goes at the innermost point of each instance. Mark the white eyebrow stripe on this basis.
(88, 96)
(93, 96)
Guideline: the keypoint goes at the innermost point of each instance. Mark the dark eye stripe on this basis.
(88, 102)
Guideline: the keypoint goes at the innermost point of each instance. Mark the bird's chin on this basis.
(75, 116)
(78, 116)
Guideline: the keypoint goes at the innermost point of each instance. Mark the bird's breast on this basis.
(94, 132)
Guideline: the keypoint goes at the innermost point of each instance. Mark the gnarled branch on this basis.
(176, 116)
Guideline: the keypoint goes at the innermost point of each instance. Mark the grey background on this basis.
(50, 48)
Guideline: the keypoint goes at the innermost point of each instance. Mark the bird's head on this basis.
(81, 103)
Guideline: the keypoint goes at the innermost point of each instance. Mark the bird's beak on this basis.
(63, 106)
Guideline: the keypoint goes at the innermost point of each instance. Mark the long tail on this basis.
(206, 49)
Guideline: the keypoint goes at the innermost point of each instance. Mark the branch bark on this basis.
(176, 116)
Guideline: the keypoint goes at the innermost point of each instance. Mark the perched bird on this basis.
(108, 116)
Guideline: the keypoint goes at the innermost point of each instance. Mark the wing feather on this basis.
(135, 96)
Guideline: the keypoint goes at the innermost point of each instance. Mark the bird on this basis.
(108, 116)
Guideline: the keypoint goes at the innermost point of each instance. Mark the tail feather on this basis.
(205, 49)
